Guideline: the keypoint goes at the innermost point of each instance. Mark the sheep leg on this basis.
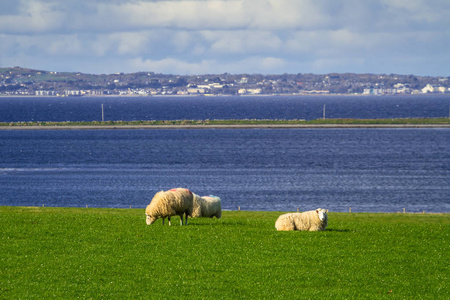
(181, 219)
(170, 224)
(163, 220)
(185, 223)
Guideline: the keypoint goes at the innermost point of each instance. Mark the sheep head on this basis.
(149, 219)
(322, 214)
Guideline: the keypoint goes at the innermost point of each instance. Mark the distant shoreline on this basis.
(226, 126)
(232, 124)
(219, 95)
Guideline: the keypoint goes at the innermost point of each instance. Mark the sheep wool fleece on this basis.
(207, 207)
(169, 203)
(306, 221)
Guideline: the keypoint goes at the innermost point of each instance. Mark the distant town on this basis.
(19, 81)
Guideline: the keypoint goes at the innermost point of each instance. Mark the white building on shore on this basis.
(433, 88)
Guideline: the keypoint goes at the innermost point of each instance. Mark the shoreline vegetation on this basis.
(245, 123)
(65, 253)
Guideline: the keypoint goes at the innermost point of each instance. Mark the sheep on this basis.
(313, 220)
(207, 207)
(169, 203)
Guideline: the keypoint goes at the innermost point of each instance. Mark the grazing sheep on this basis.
(207, 207)
(313, 220)
(170, 203)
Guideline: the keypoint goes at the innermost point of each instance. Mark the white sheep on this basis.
(313, 220)
(207, 207)
(169, 203)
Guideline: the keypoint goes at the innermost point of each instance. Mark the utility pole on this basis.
(324, 111)
(103, 114)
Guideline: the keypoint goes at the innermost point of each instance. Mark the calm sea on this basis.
(369, 170)
(16, 109)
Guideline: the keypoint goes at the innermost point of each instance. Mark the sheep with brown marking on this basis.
(313, 220)
(169, 203)
(207, 207)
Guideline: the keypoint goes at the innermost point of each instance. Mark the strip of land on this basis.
(232, 124)
(262, 126)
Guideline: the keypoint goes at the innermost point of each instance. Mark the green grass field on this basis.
(68, 253)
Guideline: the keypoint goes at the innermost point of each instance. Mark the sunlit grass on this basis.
(111, 253)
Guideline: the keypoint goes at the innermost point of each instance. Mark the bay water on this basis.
(23, 109)
(369, 170)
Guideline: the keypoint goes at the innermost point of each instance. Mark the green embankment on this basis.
(66, 253)
(408, 121)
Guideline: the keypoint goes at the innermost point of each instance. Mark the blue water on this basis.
(16, 109)
(369, 170)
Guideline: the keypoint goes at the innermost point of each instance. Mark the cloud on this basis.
(173, 14)
(188, 36)
(260, 15)
(132, 43)
(31, 17)
(212, 15)
(242, 41)
(256, 64)
(420, 11)
(64, 45)
(177, 66)
(184, 14)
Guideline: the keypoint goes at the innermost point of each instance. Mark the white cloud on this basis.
(132, 43)
(64, 45)
(431, 12)
(212, 15)
(182, 40)
(214, 36)
(260, 15)
(70, 16)
(284, 14)
(327, 64)
(34, 17)
(171, 65)
(271, 64)
(242, 41)
(174, 14)
(101, 46)
(175, 66)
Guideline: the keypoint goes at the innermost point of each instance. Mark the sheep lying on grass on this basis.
(313, 220)
(207, 207)
(170, 203)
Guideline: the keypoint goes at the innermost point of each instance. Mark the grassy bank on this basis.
(409, 121)
(111, 254)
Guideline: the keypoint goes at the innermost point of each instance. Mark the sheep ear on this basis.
(317, 211)
(326, 211)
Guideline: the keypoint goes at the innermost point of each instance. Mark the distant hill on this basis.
(24, 81)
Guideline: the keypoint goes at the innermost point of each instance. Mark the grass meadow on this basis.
(68, 253)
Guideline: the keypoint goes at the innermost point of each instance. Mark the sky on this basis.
(227, 36)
